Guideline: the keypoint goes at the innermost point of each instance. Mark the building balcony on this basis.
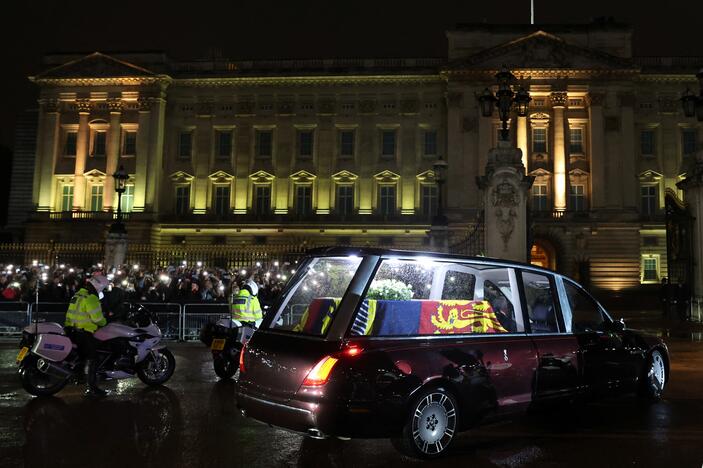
(104, 216)
(313, 219)
(558, 215)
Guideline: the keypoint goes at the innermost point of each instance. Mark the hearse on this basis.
(417, 346)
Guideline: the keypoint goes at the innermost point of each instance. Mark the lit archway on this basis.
(543, 254)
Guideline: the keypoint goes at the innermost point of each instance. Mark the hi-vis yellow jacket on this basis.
(84, 312)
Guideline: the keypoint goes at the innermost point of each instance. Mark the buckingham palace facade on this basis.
(341, 151)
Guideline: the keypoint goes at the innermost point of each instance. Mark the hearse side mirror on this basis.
(619, 325)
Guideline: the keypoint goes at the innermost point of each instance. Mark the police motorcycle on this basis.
(48, 360)
(226, 338)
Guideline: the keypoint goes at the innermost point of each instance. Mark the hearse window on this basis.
(431, 297)
(311, 303)
(458, 285)
(585, 312)
(540, 299)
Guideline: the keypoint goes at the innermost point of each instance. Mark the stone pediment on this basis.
(541, 50)
(344, 177)
(221, 177)
(302, 177)
(181, 177)
(95, 65)
(387, 177)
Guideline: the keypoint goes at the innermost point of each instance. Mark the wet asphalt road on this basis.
(193, 422)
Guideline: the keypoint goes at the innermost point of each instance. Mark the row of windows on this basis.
(96, 198)
(264, 143)
(577, 197)
(98, 143)
(649, 198)
(539, 140)
(648, 143)
(303, 200)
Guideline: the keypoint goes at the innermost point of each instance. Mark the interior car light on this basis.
(319, 374)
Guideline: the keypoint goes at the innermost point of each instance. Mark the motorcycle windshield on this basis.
(311, 302)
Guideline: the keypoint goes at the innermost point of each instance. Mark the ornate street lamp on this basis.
(692, 104)
(121, 178)
(506, 99)
(439, 167)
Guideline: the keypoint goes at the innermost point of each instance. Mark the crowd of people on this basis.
(184, 283)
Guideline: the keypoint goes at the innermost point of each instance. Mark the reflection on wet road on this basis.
(194, 423)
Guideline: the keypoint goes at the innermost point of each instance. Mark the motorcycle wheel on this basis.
(157, 371)
(225, 368)
(37, 382)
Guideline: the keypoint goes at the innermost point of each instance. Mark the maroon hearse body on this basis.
(418, 346)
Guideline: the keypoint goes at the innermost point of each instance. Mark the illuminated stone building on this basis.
(341, 151)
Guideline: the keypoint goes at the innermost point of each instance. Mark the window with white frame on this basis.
(303, 200)
(346, 143)
(129, 143)
(688, 141)
(577, 197)
(344, 200)
(67, 198)
(430, 143)
(222, 196)
(185, 144)
(575, 140)
(182, 199)
(386, 200)
(648, 199)
(70, 145)
(306, 140)
(650, 268)
(539, 140)
(647, 142)
(128, 199)
(262, 199)
(96, 198)
(264, 143)
(429, 200)
(540, 197)
(99, 143)
(388, 143)
(223, 140)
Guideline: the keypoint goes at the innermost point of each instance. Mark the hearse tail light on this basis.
(320, 374)
(241, 359)
(352, 351)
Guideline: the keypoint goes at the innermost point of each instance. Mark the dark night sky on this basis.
(298, 29)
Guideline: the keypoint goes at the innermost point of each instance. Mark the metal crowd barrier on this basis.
(196, 315)
(14, 316)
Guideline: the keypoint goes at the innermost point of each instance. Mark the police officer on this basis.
(83, 318)
(245, 305)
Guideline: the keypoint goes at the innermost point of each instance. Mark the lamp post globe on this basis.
(506, 100)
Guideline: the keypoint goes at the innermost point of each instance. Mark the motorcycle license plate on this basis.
(217, 344)
(23, 352)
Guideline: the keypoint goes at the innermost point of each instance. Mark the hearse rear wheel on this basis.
(431, 424)
(654, 379)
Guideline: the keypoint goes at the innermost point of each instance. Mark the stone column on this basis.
(142, 156)
(202, 156)
(692, 186)
(505, 188)
(558, 104)
(155, 172)
(599, 188)
(522, 138)
(629, 187)
(47, 151)
(81, 153)
(113, 153)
